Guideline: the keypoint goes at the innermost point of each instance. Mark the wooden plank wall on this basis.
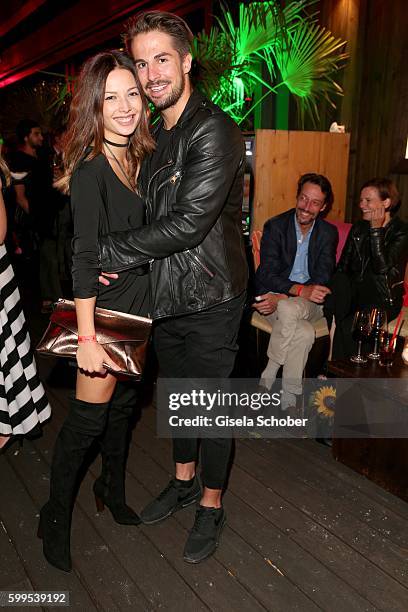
(383, 111)
(282, 157)
(374, 107)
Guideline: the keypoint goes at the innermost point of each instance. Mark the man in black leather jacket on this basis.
(193, 241)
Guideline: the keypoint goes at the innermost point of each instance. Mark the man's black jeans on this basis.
(201, 345)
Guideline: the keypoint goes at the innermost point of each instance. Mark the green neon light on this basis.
(298, 54)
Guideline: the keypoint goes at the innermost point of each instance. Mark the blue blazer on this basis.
(278, 252)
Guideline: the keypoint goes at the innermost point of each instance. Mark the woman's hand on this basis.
(105, 276)
(91, 357)
(377, 216)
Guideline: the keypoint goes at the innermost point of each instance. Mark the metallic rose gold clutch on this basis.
(124, 337)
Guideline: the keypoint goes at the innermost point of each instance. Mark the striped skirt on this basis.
(23, 403)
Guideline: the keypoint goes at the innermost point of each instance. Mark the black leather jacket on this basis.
(193, 239)
(382, 253)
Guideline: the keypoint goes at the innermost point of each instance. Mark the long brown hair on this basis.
(85, 123)
(5, 171)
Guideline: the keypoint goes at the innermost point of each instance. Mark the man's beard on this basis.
(303, 222)
(173, 97)
(35, 145)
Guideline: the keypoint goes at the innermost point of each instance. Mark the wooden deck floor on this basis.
(304, 533)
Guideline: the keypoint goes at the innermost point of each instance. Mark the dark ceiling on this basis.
(37, 34)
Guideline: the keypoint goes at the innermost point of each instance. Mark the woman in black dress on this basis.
(107, 138)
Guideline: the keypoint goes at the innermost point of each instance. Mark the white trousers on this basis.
(292, 338)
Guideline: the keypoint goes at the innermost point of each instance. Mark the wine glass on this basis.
(387, 348)
(378, 323)
(361, 329)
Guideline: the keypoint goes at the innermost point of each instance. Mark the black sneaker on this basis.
(205, 534)
(174, 497)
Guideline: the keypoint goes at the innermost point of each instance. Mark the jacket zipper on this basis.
(200, 264)
(357, 242)
(150, 287)
(389, 289)
(149, 262)
(148, 201)
(169, 163)
(171, 180)
(387, 282)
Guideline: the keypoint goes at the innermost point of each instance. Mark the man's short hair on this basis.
(148, 21)
(321, 181)
(24, 128)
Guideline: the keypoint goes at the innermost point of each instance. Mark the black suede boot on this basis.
(109, 488)
(84, 423)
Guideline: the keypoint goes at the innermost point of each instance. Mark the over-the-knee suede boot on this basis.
(109, 488)
(84, 423)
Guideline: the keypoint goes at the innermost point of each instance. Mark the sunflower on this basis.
(325, 400)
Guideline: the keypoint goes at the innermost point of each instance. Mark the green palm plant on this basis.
(307, 67)
(216, 59)
(261, 25)
(297, 52)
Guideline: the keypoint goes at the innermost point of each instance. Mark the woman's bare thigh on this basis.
(93, 388)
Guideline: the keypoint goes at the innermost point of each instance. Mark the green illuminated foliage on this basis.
(308, 64)
(296, 51)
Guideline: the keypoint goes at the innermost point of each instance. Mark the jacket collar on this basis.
(194, 103)
(313, 240)
(362, 228)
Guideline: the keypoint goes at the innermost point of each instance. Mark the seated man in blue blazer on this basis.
(298, 257)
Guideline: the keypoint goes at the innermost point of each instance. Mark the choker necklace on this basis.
(121, 168)
(115, 144)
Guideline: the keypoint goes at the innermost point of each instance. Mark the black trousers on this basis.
(201, 345)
